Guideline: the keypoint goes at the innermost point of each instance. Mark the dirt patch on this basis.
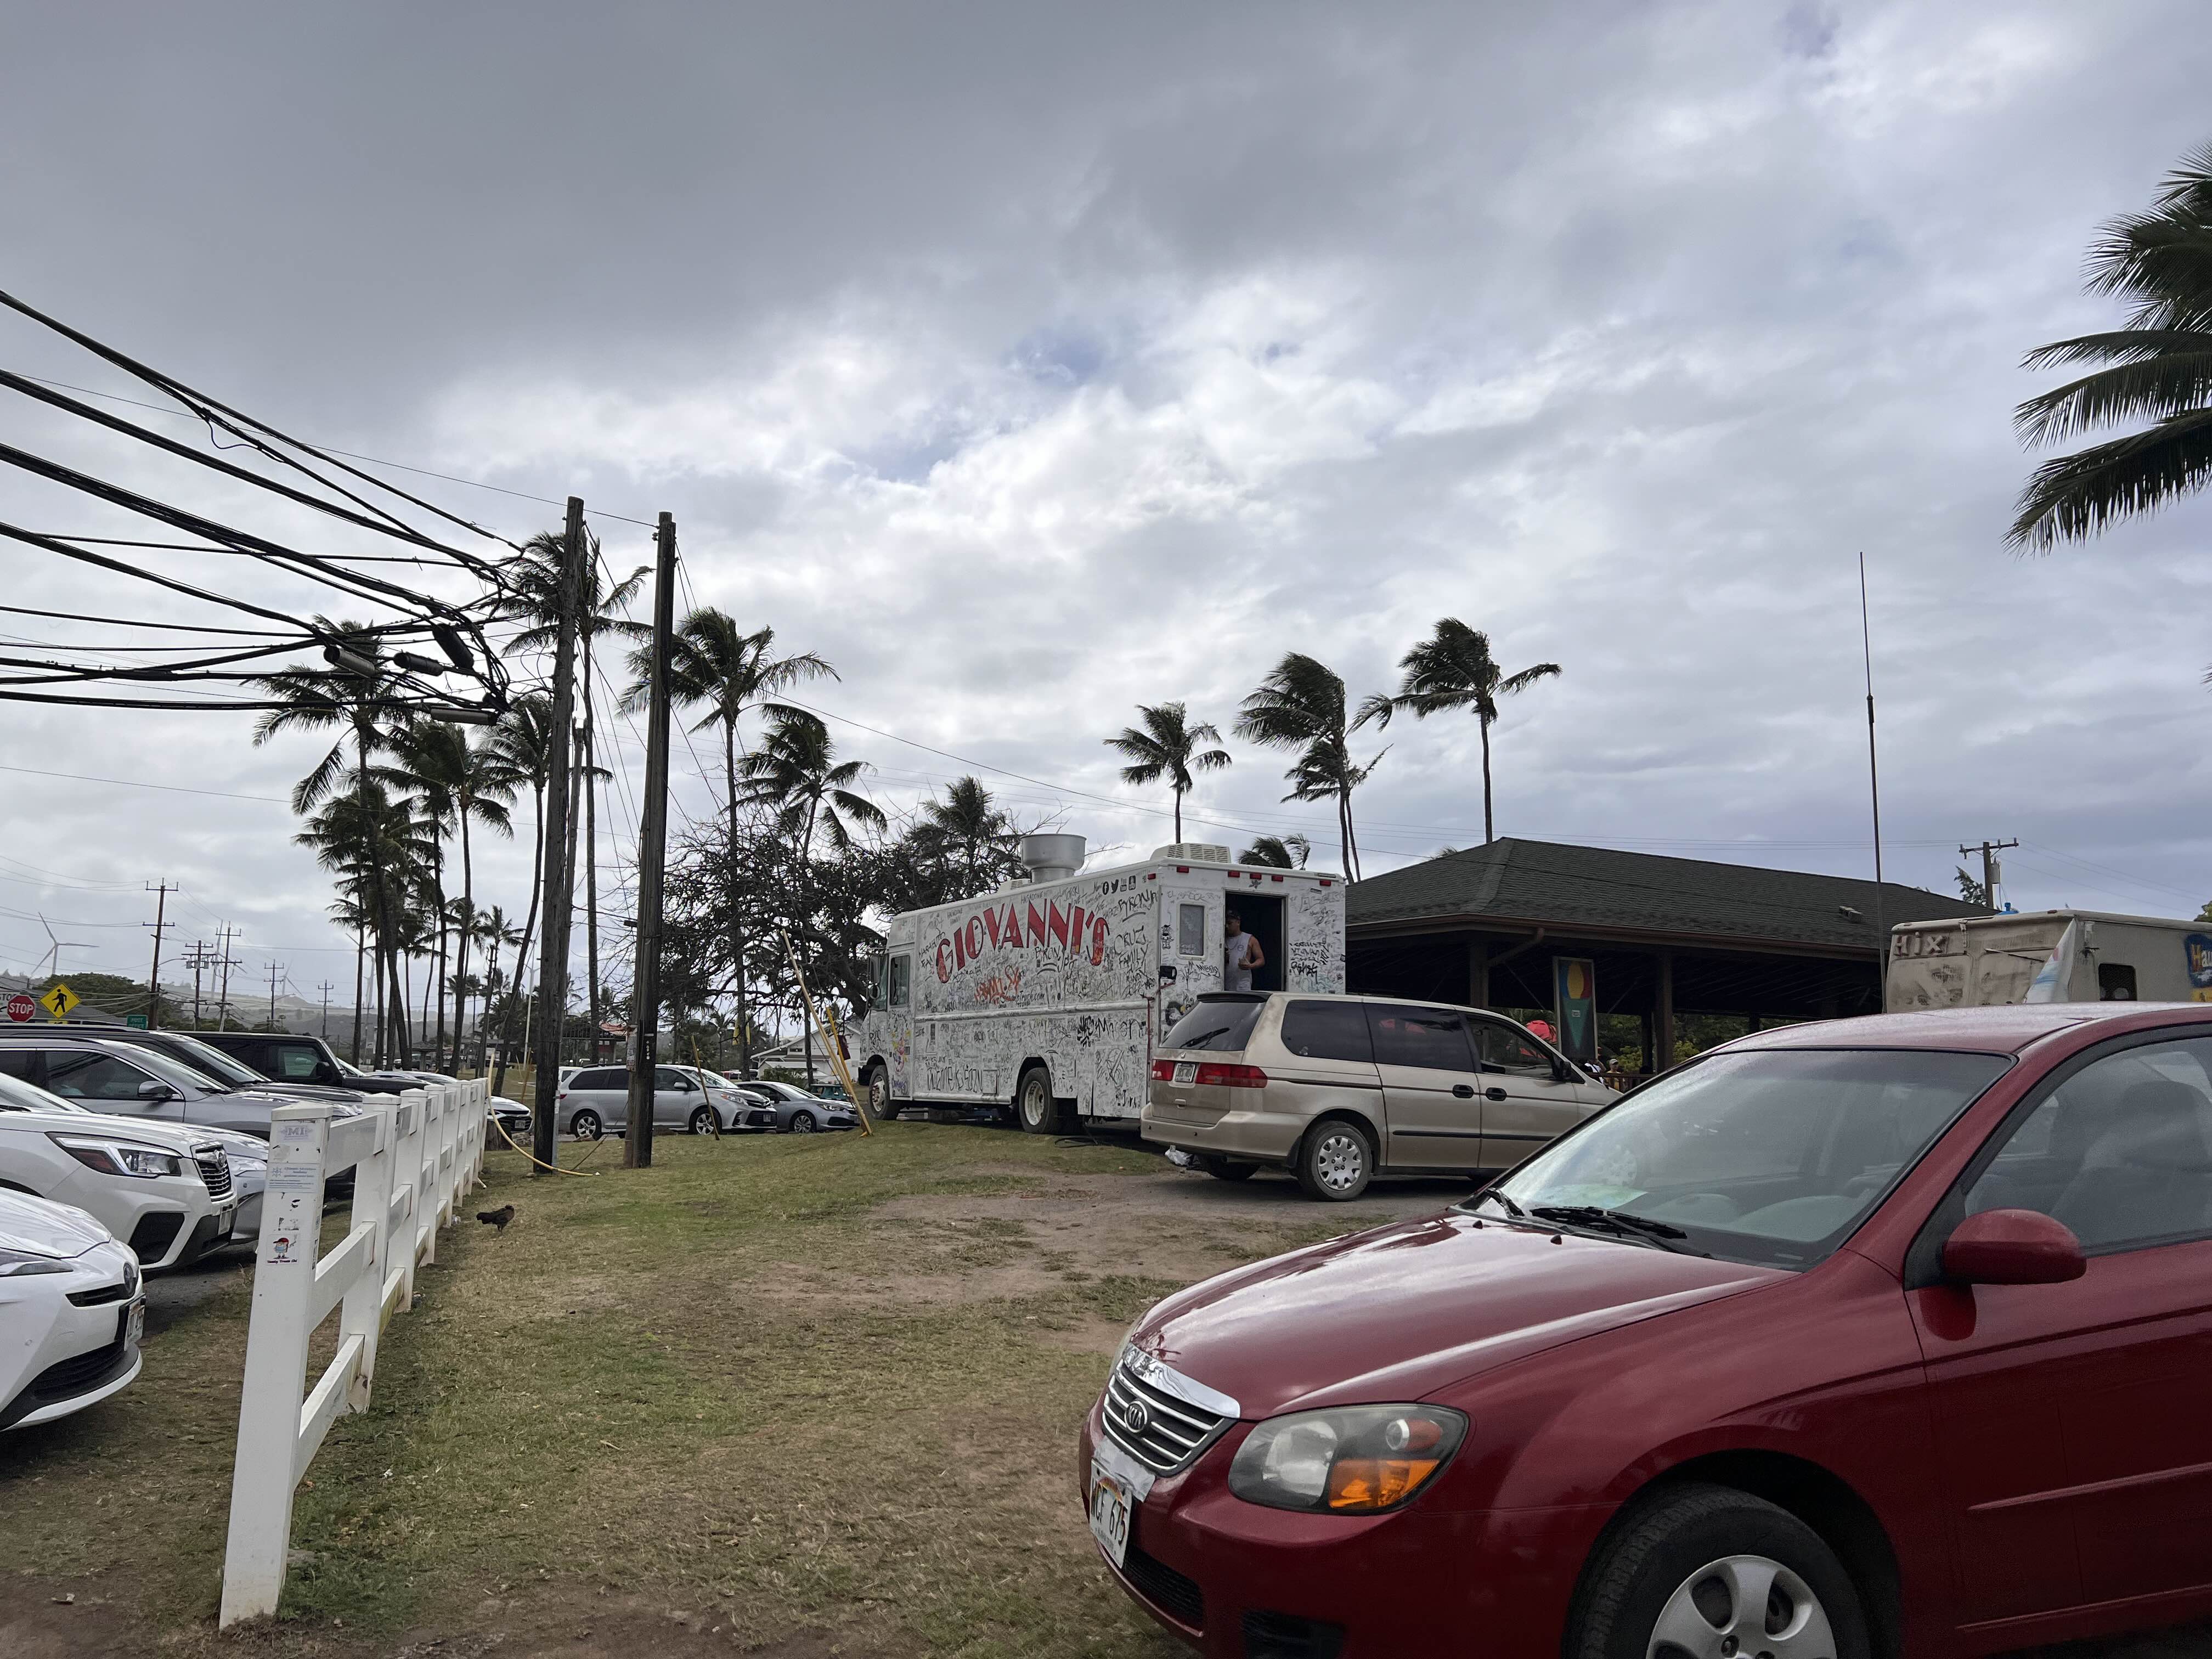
(49, 1618)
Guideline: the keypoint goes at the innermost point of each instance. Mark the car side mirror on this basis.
(154, 1089)
(2012, 1247)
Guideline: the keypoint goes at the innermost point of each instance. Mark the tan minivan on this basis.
(1339, 1089)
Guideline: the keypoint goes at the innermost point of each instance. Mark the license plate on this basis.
(1186, 1071)
(1109, 1515)
(134, 1324)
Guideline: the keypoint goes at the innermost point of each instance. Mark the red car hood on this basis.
(1400, 1311)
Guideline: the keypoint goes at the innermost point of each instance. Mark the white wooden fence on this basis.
(414, 1157)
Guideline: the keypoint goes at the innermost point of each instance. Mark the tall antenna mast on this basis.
(1874, 783)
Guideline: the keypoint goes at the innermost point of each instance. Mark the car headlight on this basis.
(120, 1156)
(22, 1264)
(1355, 1460)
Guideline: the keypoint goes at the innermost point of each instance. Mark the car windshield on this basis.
(17, 1096)
(205, 1057)
(172, 1072)
(1772, 1157)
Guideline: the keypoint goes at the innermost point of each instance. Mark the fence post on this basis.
(417, 1103)
(362, 1314)
(263, 1479)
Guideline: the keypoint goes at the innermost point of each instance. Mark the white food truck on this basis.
(1046, 997)
(2048, 955)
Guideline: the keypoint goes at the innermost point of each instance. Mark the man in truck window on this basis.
(1241, 953)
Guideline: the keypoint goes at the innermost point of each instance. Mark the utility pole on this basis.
(201, 957)
(559, 888)
(153, 974)
(651, 852)
(222, 990)
(1991, 870)
(326, 989)
(274, 969)
(1874, 794)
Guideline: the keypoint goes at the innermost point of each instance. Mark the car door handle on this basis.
(1493, 1094)
(1464, 1090)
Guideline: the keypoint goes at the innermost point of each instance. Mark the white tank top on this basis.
(1237, 950)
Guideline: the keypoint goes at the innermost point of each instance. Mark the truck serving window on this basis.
(1219, 1022)
(1190, 930)
(901, 979)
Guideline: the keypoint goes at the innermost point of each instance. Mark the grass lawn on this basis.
(798, 1396)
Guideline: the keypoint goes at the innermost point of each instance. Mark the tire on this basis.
(1684, 1572)
(881, 1107)
(586, 1125)
(802, 1122)
(703, 1122)
(1336, 1160)
(1224, 1169)
(1036, 1111)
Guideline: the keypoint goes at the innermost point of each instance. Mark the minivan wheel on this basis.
(1224, 1169)
(1336, 1162)
(703, 1121)
(1709, 1572)
(1035, 1109)
(586, 1125)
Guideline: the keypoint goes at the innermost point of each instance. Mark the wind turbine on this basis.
(52, 959)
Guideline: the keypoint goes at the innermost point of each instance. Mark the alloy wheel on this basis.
(1742, 1607)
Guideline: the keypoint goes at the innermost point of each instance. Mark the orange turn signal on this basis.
(1376, 1483)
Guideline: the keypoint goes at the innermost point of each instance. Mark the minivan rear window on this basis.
(1217, 1023)
(1327, 1031)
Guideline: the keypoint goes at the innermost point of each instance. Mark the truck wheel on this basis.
(881, 1106)
(1710, 1570)
(1035, 1109)
(1335, 1161)
(1224, 1169)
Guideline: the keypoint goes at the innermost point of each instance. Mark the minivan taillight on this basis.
(1164, 1071)
(1231, 1077)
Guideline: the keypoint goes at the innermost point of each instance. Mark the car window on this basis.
(1434, 1038)
(667, 1077)
(1327, 1031)
(902, 981)
(19, 1062)
(76, 1076)
(296, 1062)
(2121, 1152)
(190, 1051)
(605, 1077)
(1218, 1023)
(1505, 1049)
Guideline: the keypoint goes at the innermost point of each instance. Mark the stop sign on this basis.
(21, 1007)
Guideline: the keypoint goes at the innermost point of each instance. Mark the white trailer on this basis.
(1048, 996)
(2048, 955)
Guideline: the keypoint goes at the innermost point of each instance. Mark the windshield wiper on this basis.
(1511, 1208)
(1659, 1234)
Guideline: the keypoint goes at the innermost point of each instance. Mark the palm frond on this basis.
(2154, 388)
(2075, 496)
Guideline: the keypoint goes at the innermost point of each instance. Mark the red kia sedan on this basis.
(1880, 1337)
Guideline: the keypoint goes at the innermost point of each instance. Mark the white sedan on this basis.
(165, 1190)
(71, 1311)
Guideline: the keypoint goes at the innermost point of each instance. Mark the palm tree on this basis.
(1167, 747)
(966, 829)
(492, 931)
(377, 846)
(1278, 852)
(523, 740)
(795, 770)
(2159, 370)
(1453, 669)
(535, 579)
(712, 662)
(1302, 705)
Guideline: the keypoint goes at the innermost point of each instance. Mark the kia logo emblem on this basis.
(1135, 1418)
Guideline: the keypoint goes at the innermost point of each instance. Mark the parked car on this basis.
(291, 1057)
(165, 1189)
(1338, 1090)
(1875, 1336)
(112, 1075)
(801, 1113)
(596, 1099)
(72, 1312)
(210, 1061)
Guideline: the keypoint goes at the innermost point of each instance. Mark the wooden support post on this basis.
(1663, 1013)
(1478, 973)
(557, 889)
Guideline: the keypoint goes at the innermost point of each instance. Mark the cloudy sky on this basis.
(1032, 361)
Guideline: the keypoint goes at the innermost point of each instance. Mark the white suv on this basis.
(165, 1192)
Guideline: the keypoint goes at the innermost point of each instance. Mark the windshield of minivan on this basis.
(1222, 1023)
(1771, 1157)
(206, 1057)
